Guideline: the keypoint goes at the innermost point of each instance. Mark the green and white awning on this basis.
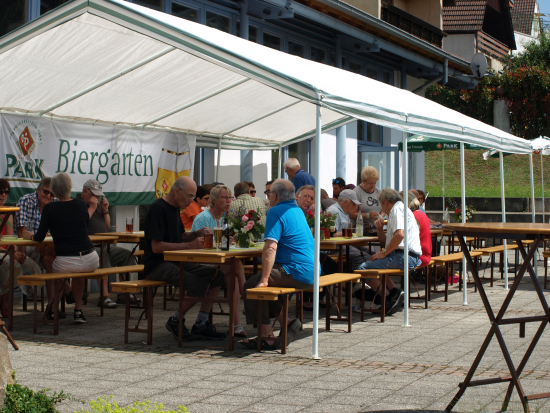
(114, 62)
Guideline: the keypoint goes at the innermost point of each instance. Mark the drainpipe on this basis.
(444, 78)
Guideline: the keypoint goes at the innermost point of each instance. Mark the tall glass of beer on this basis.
(208, 238)
(218, 232)
(347, 230)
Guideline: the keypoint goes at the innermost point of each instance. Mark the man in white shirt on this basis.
(393, 255)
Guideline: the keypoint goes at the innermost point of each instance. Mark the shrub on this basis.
(105, 404)
(21, 399)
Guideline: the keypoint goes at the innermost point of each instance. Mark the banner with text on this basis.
(135, 167)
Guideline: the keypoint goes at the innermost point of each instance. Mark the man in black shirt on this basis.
(164, 231)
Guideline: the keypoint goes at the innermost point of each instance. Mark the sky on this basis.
(544, 6)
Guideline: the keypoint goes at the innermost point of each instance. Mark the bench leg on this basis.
(349, 298)
(362, 299)
(164, 298)
(24, 302)
(545, 271)
(383, 296)
(35, 316)
(149, 316)
(449, 273)
(327, 308)
(55, 309)
(493, 256)
(284, 324)
(426, 286)
(259, 339)
(126, 316)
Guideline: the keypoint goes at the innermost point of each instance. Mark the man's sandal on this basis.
(252, 344)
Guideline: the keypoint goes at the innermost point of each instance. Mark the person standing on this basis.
(367, 193)
(338, 185)
(297, 175)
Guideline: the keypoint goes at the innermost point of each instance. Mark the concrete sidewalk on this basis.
(377, 368)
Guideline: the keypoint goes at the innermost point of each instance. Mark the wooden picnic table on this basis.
(128, 238)
(205, 256)
(6, 211)
(10, 244)
(519, 232)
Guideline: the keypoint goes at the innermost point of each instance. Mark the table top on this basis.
(212, 256)
(48, 241)
(125, 236)
(500, 227)
(4, 210)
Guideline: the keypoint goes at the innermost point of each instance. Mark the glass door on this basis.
(386, 162)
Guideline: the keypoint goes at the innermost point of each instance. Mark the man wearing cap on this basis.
(100, 222)
(348, 203)
(338, 185)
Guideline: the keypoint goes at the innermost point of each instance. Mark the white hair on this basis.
(291, 163)
(61, 185)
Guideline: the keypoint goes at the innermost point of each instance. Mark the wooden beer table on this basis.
(7, 211)
(128, 238)
(519, 232)
(47, 242)
(211, 257)
(338, 243)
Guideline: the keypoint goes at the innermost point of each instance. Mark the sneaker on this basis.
(79, 317)
(49, 316)
(207, 332)
(121, 299)
(106, 302)
(172, 326)
(394, 302)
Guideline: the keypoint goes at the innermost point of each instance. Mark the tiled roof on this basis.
(523, 13)
(467, 15)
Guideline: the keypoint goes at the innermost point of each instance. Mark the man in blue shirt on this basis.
(297, 175)
(287, 260)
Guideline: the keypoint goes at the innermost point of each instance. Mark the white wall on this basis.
(463, 45)
(328, 160)
(521, 40)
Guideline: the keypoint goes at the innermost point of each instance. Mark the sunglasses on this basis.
(336, 181)
(5, 192)
(253, 192)
(266, 192)
(48, 193)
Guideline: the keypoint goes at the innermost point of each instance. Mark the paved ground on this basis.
(377, 368)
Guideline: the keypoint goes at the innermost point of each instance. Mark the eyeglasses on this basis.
(5, 192)
(253, 191)
(48, 193)
(266, 192)
(191, 197)
(308, 196)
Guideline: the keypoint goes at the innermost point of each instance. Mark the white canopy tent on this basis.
(110, 61)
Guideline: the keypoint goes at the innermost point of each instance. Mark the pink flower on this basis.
(329, 214)
(250, 225)
(244, 218)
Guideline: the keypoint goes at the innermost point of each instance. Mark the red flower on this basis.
(251, 211)
(311, 214)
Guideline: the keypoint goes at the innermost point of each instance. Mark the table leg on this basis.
(11, 283)
(35, 315)
(340, 258)
(231, 294)
(180, 306)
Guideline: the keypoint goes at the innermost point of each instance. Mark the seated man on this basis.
(246, 202)
(164, 231)
(100, 222)
(393, 256)
(348, 203)
(338, 185)
(287, 260)
(252, 187)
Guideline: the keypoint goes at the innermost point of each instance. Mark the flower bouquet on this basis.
(327, 220)
(470, 210)
(244, 225)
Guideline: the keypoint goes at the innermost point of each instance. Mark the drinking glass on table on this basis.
(129, 225)
(208, 238)
(347, 230)
(218, 232)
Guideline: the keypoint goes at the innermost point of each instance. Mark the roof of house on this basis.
(522, 15)
(466, 15)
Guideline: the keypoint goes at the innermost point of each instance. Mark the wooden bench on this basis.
(273, 294)
(133, 287)
(376, 274)
(448, 261)
(249, 269)
(491, 253)
(139, 253)
(37, 280)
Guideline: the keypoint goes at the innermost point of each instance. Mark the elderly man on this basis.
(297, 175)
(393, 255)
(164, 231)
(305, 196)
(348, 203)
(338, 185)
(287, 260)
(247, 202)
(100, 222)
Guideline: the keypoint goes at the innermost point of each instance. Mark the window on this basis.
(252, 32)
(355, 67)
(372, 73)
(296, 49)
(272, 41)
(185, 12)
(317, 55)
(386, 77)
(152, 4)
(218, 21)
(47, 5)
(12, 15)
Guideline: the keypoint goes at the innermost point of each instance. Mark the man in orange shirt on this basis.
(195, 208)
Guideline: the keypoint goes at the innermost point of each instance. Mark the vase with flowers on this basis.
(470, 211)
(326, 221)
(244, 226)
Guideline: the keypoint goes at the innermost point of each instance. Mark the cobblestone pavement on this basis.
(377, 368)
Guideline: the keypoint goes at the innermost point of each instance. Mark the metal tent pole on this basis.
(463, 199)
(443, 176)
(542, 182)
(219, 158)
(502, 201)
(533, 203)
(405, 217)
(315, 349)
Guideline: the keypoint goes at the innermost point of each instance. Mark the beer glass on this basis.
(208, 238)
(129, 225)
(347, 230)
(218, 232)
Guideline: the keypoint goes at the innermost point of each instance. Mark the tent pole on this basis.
(503, 206)
(316, 262)
(533, 203)
(219, 158)
(542, 182)
(443, 177)
(405, 165)
(463, 199)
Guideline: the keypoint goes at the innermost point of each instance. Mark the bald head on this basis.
(185, 183)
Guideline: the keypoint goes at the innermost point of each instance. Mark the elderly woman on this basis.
(23, 265)
(220, 202)
(423, 223)
(367, 193)
(67, 220)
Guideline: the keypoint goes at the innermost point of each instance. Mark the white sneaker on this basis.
(106, 302)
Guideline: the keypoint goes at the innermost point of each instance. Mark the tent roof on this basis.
(110, 61)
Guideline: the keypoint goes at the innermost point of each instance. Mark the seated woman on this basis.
(67, 221)
(220, 202)
(424, 228)
(201, 201)
(23, 265)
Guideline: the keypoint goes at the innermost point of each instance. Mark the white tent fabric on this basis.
(110, 61)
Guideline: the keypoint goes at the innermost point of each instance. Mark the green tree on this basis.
(536, 54)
